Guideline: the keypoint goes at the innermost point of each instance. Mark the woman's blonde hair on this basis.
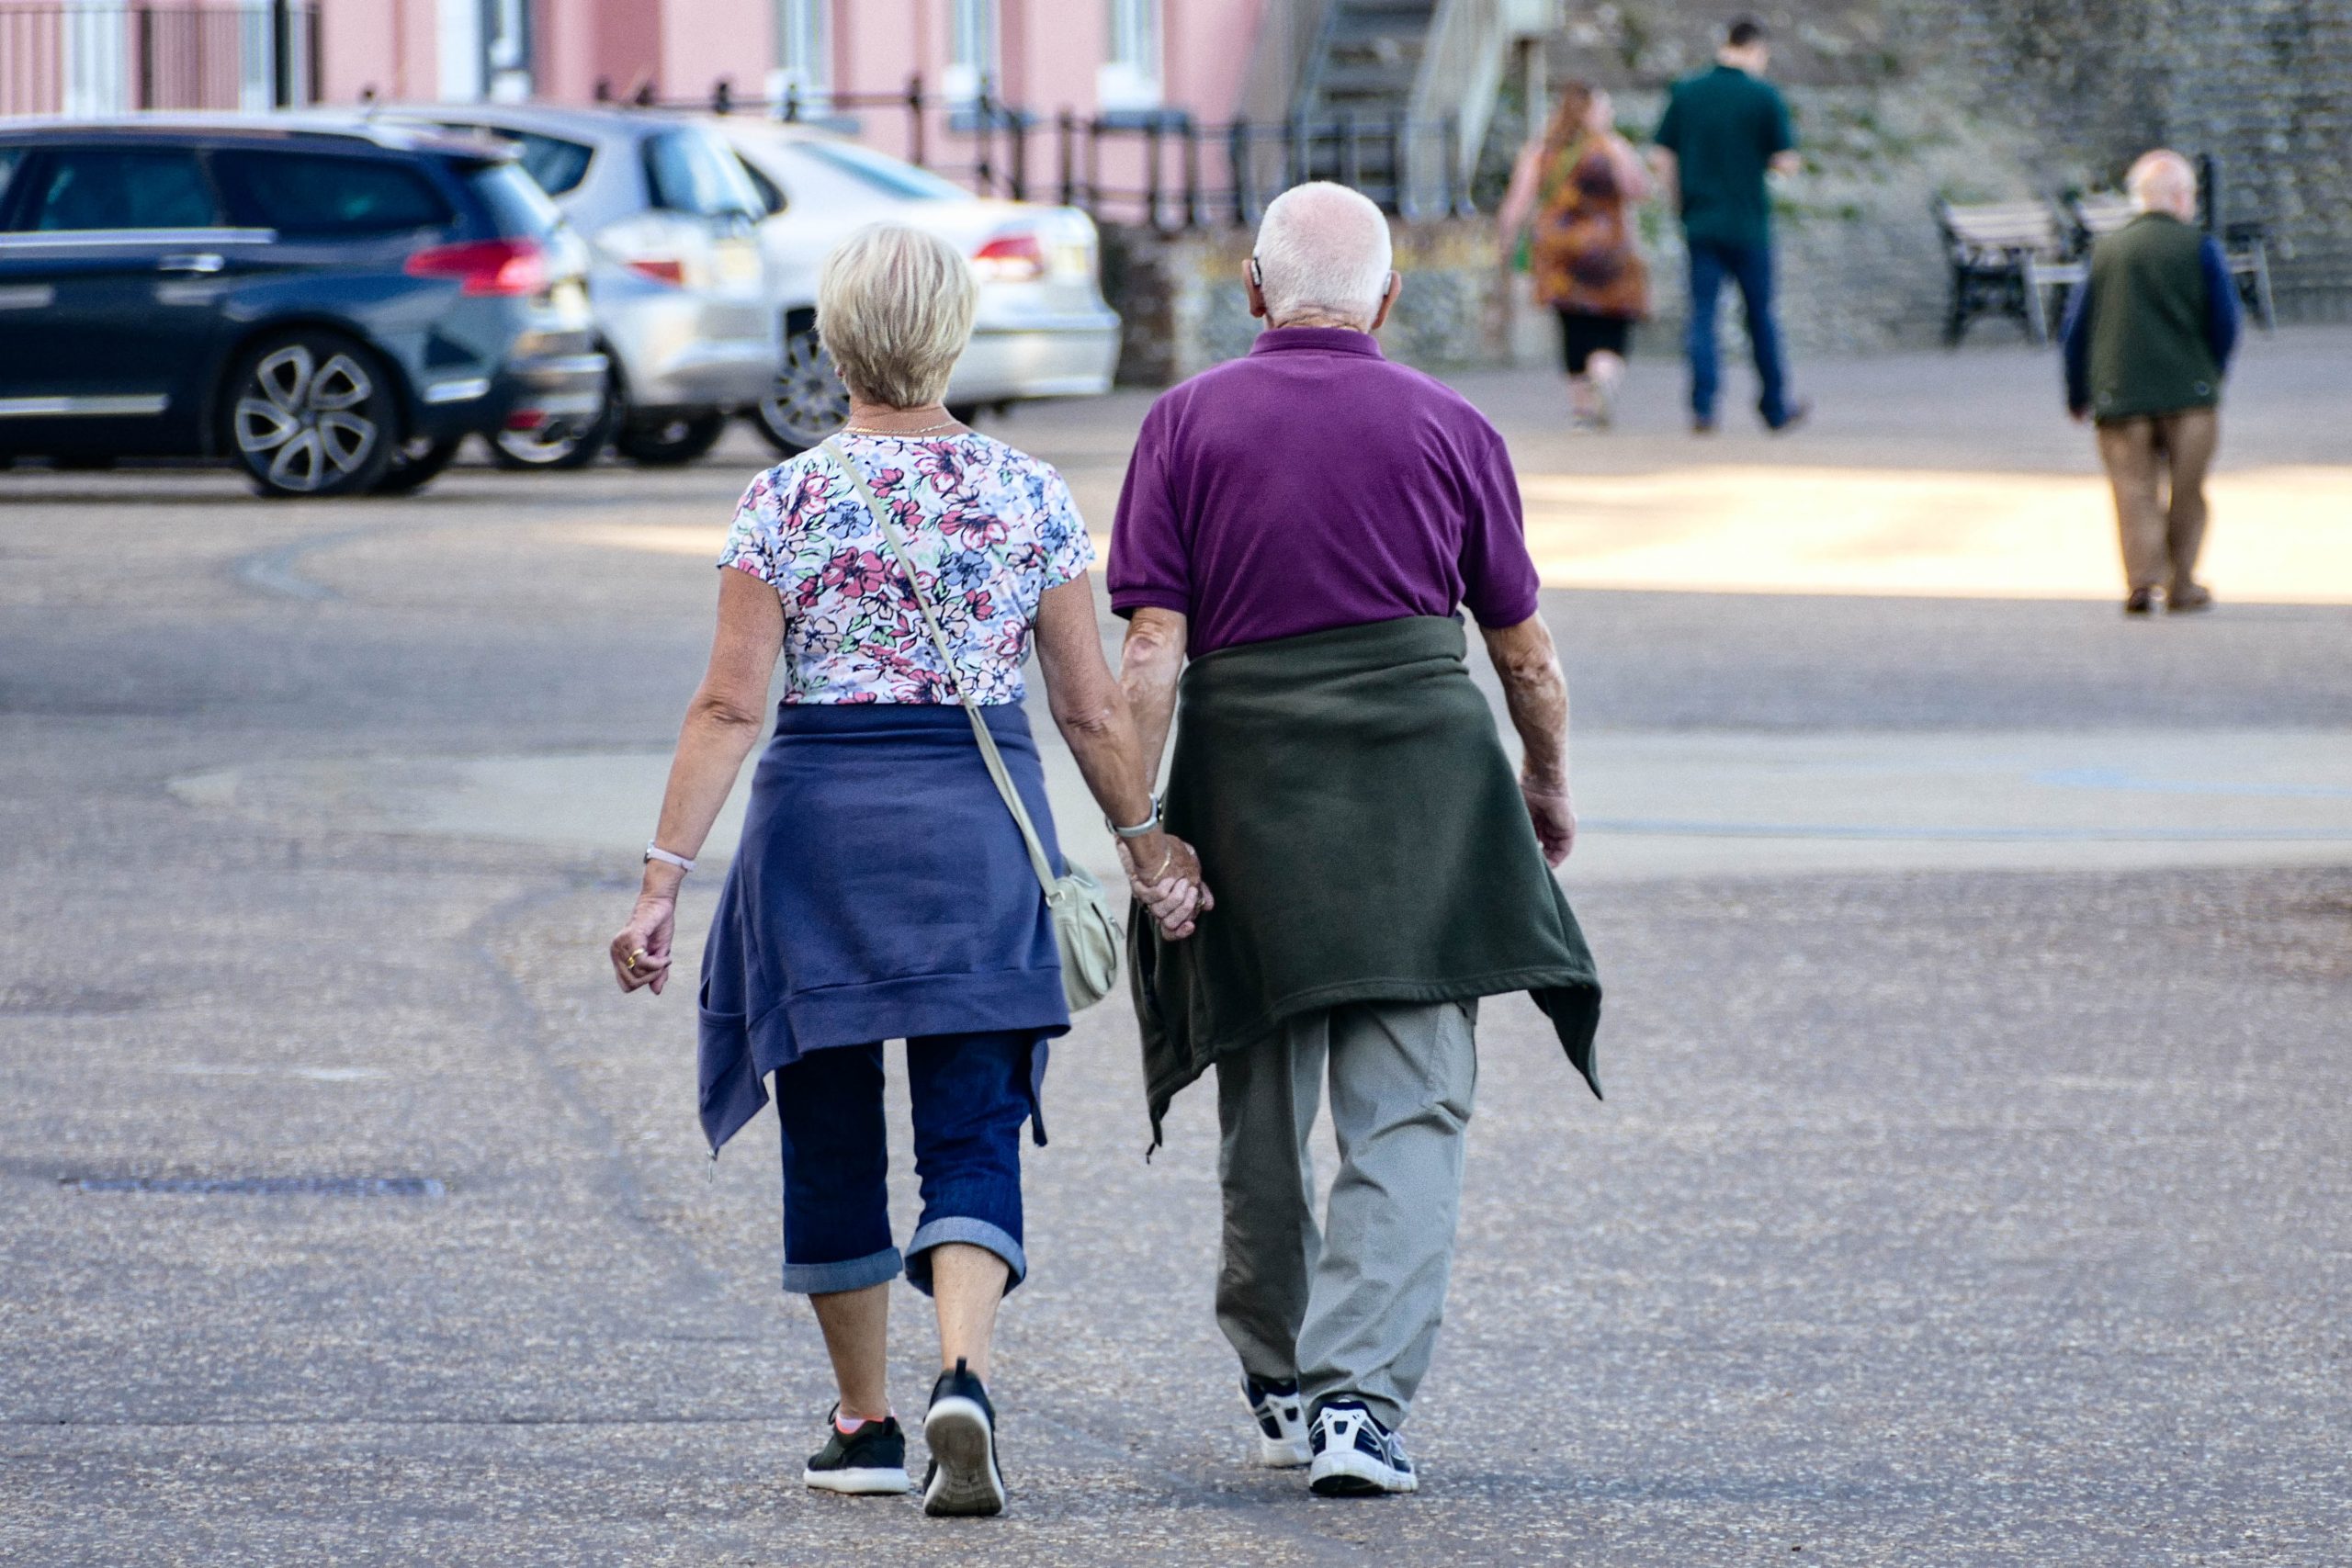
(894, 309)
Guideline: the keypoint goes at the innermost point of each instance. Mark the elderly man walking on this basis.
(2148, 340)
(1306, 524)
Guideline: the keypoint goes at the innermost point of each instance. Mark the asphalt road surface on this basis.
(1974, 1186)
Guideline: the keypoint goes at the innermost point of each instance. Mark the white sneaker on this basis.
(1282, 1423)
(1355, 1456)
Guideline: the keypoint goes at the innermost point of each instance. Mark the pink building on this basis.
(1090, 56)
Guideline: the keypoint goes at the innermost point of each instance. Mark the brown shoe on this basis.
(2142, 600)
(2187, 598)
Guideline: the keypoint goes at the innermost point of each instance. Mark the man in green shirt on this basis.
(1723, 129)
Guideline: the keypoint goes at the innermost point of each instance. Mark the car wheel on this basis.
(416, 462)
(664, 440)
(557, 446)
(311, 413)
(808, 403)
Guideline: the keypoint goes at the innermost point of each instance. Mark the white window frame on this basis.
(973, 39)
(804, 54)
(1130, 78)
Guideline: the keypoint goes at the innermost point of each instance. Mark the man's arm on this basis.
(2074, 339)
(2221, 314)
(1150, 662)
(1536, 691)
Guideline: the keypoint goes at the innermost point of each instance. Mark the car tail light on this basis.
(1013, 257)
(485, 266)
(661, 269)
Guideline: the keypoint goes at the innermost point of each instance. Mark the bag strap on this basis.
(989, 752)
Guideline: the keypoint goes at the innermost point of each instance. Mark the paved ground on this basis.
(1952, 1205)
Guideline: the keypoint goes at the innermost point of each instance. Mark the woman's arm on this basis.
(1519, 201)
(1091, 712)
(1633, 179)
(722, 724)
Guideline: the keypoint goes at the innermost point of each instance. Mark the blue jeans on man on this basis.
(1750, 268)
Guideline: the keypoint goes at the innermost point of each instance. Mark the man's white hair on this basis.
(1322, 251)
(2162, 181)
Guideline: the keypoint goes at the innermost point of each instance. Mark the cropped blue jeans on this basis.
(969, 1093)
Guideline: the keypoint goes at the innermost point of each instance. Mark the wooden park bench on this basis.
(2101, 213)
(1999, 252)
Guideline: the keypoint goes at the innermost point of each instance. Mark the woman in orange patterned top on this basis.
(1577, 187)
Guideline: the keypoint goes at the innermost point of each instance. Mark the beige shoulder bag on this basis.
(1083, 926)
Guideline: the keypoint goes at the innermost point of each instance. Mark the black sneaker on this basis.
(1282, 1423)
(1355, 1456)
(870, 1461)
(961, 1430)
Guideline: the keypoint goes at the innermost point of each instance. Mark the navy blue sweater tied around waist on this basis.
(881, 892)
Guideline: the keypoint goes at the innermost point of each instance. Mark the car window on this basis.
(770, 194)
(120, 187)
(9, 158)
(882, 172)
(554, 164)
(690, 171)
(325, 194)
(516, 204)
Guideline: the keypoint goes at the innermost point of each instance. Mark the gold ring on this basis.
(631, 962)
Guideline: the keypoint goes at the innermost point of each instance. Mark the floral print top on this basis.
(990, 529)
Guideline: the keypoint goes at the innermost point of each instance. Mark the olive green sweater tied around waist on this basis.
(1364, 835)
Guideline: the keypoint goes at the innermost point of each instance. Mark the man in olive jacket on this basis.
(2148, 339)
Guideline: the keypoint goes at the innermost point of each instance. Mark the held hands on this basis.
(641, 955)
(1164, 875)
(1552, 807)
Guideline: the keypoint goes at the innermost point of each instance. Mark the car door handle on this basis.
(201, 261)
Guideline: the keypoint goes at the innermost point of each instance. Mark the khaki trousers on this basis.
(2160, 534)
(1349, 1307)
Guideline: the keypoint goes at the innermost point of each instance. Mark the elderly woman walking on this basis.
(1579, 184)
(885, 887)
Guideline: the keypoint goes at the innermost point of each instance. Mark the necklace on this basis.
(926, 429)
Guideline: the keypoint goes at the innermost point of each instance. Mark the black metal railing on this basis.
(1163, 170)
(98, 58)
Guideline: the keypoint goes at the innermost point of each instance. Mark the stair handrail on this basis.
(1461, 72)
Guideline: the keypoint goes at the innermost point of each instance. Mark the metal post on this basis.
(1400, 199)
(1151, 172)
(983, 141)
(1295, 149)
(1094, 167)
(146, 19)
(1016, 125)
(1065, 147)
(314, 50)
(281, 53)
(602, 93)
(1238, 149)
(1351, 166)
(722, 95)
(914, 111)
(1192, 173)
(791, 102)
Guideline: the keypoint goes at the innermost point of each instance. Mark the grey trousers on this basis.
(1351, 1309)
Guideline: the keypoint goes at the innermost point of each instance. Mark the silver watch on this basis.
(1142, 829)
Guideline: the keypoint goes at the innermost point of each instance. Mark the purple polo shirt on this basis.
(1315, 484)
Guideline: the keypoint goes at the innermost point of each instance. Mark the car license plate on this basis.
(737, 261)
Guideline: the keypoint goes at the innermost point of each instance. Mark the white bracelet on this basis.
(655, 852)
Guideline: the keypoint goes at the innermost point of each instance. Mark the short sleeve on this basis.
(1669, 126)
(1499, 582)
(1779, 134)
(752, 542)
(1149, 568)
(1068, 549)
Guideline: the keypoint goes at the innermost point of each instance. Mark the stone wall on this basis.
(1897, 102)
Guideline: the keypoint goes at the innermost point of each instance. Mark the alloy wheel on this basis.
(302, 422)
(809, 402)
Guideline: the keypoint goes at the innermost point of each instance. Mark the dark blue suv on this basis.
(334, 308)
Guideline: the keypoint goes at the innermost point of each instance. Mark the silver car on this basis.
(1043, 328)
(677, 278)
